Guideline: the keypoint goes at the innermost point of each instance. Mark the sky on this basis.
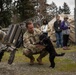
(71, 3)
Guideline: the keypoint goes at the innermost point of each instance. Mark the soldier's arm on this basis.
(26, 42)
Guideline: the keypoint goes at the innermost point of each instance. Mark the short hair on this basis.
(28, 23)
(65, 17)
(45, 21)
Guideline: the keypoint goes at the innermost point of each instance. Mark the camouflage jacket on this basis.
(30, 40)
(2, 35)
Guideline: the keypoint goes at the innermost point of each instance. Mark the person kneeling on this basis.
(30, 39)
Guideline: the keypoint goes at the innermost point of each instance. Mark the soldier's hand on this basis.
(40, 46)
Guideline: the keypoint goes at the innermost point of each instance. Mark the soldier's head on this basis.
(30, 26)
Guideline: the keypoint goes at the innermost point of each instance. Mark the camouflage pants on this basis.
(28, 53)
(11, 57)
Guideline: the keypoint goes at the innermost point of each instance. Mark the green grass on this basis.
(65, 65)
(71, 67)
(62, 64)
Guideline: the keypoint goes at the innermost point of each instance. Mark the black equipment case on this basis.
(13, 34)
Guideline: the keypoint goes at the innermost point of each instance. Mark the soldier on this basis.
(30, 40)
(4, 47)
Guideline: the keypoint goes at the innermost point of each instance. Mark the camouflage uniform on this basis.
(2, 46)
(2, 35)
(29, 42)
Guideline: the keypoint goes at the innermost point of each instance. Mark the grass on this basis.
(62, 63)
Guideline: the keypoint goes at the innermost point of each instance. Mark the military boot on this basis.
(32, 61)
(39, 60)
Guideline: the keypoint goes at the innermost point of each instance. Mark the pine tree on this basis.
(66, 8)
(60, 10)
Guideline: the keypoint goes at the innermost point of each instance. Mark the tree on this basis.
(54, 8)
(60, 10)
(5, 12)
(25, 9)
(66, 8)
